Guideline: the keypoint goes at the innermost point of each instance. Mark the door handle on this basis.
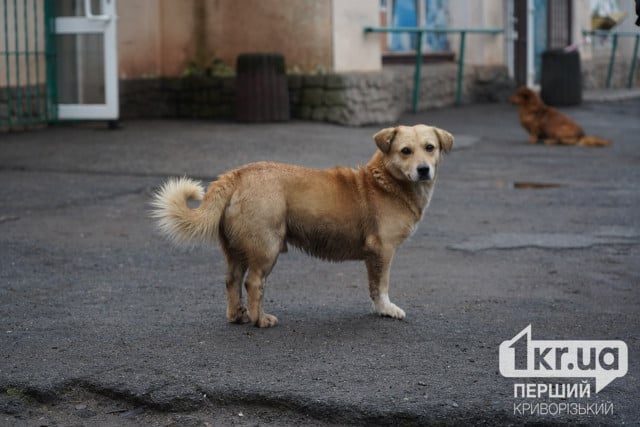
(88, 13)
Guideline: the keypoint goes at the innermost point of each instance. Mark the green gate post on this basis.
(634, 61)
(463, 35)
(6, 58)
(17, 59)
(28, 113)
(51, 57)
(417, 77)
(612, 59)
(38, 88)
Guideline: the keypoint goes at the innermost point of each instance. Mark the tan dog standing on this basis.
(337, 214)
(547, 123)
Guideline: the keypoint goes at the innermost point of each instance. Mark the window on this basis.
(414, 13)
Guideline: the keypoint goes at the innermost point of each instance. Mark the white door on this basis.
(87, 59)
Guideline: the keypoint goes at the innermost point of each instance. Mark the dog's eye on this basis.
(429, 148)
(406, 151)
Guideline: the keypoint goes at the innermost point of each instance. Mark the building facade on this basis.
(180, 56)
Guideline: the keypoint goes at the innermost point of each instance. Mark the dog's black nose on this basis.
(423, 172)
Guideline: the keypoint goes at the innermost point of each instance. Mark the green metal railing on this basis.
(25, 88)
(614, 47)
(420, 31)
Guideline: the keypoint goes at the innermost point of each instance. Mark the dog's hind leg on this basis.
(236, 270)
(568, 139)
(255, 283)
(378, 269)
(551, 141)
(260, 265)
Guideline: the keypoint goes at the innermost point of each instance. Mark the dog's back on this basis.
(318, 211)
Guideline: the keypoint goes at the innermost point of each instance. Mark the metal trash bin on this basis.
(561, 78)
(262, 90)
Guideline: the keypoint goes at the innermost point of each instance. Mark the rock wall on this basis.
(347, 98)
(351, 99)
(594, 73)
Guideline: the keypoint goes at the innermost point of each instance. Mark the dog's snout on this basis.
(424, 172)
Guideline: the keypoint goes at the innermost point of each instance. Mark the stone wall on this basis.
(197, 97)
(372, 98)
(594, 72)
(352, 99)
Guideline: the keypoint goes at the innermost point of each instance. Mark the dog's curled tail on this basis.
(593, 141)
(185, 225)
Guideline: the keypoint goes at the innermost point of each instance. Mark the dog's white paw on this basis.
(390, 310)
(266, 321)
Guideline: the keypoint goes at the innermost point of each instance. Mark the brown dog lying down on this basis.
(336, 214)
(547, 123)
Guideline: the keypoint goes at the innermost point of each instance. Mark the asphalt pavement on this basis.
(103, 322)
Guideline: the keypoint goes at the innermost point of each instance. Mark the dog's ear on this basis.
(384, 138)
(526, 93)
(445, 139)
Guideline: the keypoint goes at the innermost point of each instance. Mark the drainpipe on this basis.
(510, 37)
(531, 71)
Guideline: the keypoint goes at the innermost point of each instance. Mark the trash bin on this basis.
(262, 90)
(560, 78)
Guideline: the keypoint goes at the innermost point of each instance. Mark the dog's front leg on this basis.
(378, 268)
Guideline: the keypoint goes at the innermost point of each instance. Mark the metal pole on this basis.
(7, 63)
(509, 37)
(612, 59)
(634, 61)
(17, 60)
(418, 72)
(463, 36)
(36, 35)
(51, 59)
(28, 113)
(531, 66)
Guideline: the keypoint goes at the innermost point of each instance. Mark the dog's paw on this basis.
(239, 316)
(266, 321)
(391, 310)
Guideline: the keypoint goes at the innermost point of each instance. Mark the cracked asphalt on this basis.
(102, 322)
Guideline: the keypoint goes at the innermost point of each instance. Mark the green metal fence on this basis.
(614, 46)
(26, 99)
(420, 31)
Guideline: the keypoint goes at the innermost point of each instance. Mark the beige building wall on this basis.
(165, 37)
(300, 29)
(139, 40)
(480, 48)
(582, 21)
(352, 49)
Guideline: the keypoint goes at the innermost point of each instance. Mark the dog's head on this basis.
(412, 153)
(524, 96)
